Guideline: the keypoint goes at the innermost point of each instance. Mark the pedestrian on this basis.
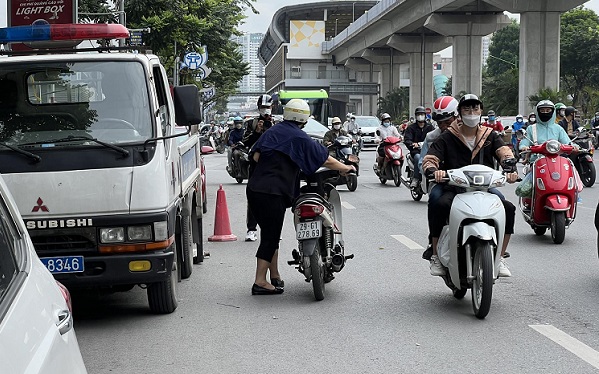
(276, 161)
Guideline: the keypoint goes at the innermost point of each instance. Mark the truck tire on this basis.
(162, 296)
(199, 258)
(185, 243)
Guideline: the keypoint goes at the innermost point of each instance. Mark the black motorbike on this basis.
(344, 152)
(418, 191)
(239, 167)
(583, 159)
(319, 231)
(357, 144)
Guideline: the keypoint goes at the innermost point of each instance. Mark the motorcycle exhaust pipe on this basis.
(337, 262)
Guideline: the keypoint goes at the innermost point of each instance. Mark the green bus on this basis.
(317, 99)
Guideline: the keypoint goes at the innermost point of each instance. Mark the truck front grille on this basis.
(64, 242)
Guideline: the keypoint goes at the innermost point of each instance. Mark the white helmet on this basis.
(444, 108)
(296, 110)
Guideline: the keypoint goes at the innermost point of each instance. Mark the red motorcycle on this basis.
(555, 191)
(391, 168)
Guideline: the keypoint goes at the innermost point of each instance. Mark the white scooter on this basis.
(470, 246)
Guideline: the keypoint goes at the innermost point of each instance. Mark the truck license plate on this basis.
(64, 264)
(308, 230)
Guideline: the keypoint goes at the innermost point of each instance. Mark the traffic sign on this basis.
(193, 60)
(428, 110)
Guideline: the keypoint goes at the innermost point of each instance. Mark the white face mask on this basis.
(420, 117)
(265, 111)
(336, 127)
(471, 120)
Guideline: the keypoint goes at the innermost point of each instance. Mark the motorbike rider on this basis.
(465, 142)
(568, 122)
(493, 122)
(235, 136)
(383, 131)
(595, 121)
(254, 128)
(277, 159)
(413, 138)
(445, 111)
(532, 119)
(517, 125)
(560, 112)
(333, 133)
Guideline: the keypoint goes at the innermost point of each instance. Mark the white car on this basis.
(368, 126)
(36, 321)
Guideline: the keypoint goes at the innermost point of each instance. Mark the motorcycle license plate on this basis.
(64, 264)
(308, 230)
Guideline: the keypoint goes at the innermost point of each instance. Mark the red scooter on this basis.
(555, 191)
(392, 163)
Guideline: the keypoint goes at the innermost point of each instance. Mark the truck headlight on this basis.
(112, 235)
(136, 233)
(160, 231)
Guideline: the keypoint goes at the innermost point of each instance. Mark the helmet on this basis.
(296, 110)
(532, 114)
(491, 113)
(469, 99)
(570, 110)
(335, 120)
(264, 100)
(385, 116)
(519, 116)
(237, 119)
(419, 110)
(348, 116)
(444, 108)
(558, 106)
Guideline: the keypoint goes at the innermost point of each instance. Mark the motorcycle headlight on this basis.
(553, 146)
(343, 141)
(395, 155)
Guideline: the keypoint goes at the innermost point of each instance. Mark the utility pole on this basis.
(122, 19)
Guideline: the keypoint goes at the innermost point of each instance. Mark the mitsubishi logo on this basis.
(40, 206)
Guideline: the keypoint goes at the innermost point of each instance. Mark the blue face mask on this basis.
(386, 124)
(491, 118)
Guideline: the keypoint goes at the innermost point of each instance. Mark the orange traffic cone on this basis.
(222, 227)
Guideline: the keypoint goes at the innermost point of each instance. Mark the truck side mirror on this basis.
(187, 105)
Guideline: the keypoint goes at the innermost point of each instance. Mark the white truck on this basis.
(109, 191)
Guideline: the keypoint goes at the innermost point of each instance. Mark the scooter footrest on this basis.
(292, 262)
(349, 257)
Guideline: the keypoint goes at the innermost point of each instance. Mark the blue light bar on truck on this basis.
(46, 32)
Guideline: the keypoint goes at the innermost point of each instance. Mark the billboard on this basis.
(305, 39)
(25, 12)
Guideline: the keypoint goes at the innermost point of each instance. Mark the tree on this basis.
(504, 49)
(97, 6)
(579, 51)
(500, 92)
(396, 103)
(448, 88)
(548, 94)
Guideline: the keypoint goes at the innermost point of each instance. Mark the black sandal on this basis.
(277, 282)
(258, 290)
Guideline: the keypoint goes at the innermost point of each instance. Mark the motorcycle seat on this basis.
(311, 198)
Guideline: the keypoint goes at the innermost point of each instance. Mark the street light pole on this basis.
(353, 11)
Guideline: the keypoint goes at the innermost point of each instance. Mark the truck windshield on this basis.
(106, 100)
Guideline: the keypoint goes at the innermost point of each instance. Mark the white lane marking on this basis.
(407, 241)
(347, 205)
(573, 345)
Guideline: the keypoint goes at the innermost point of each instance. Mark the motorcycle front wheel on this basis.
(588, 173)
(482, 285)
(352, 182)
(396, 171)
(558, 227)
(317, 269)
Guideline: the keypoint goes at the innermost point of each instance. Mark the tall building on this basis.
(249, 44)
(486, 43)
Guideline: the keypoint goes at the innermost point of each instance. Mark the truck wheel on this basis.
(162, 296)
(185, 243)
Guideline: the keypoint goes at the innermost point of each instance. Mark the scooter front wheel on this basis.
(416, 193)
(558, 227)
(352, 182)
(482, 285)
(396, 171)
(588, 173)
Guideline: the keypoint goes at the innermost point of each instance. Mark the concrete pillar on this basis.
(539, 55)
(467, 65)
(421, 80)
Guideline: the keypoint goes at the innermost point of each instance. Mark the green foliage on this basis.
(500, 92)
(579, 52)
(181, 26)
(504, 50)
(548, 94)
(96, 6)
(448, 88)
(396, 103)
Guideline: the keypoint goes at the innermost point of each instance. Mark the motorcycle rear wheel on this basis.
(383, 180)
(588, 173)
(317, 268)
(558, 227)
(482, 285)
(396, 171)
(539, 231)
(459, 294)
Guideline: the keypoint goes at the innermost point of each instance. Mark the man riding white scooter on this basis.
(466, 142)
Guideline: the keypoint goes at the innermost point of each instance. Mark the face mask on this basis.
(491, 118)
(420, 118)
(265, 111)
(336, 127)
(544, 117)
(562, 113)
(519, 120)
(353, 120)
(471, 120)
(386, 123)
(532, 120)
